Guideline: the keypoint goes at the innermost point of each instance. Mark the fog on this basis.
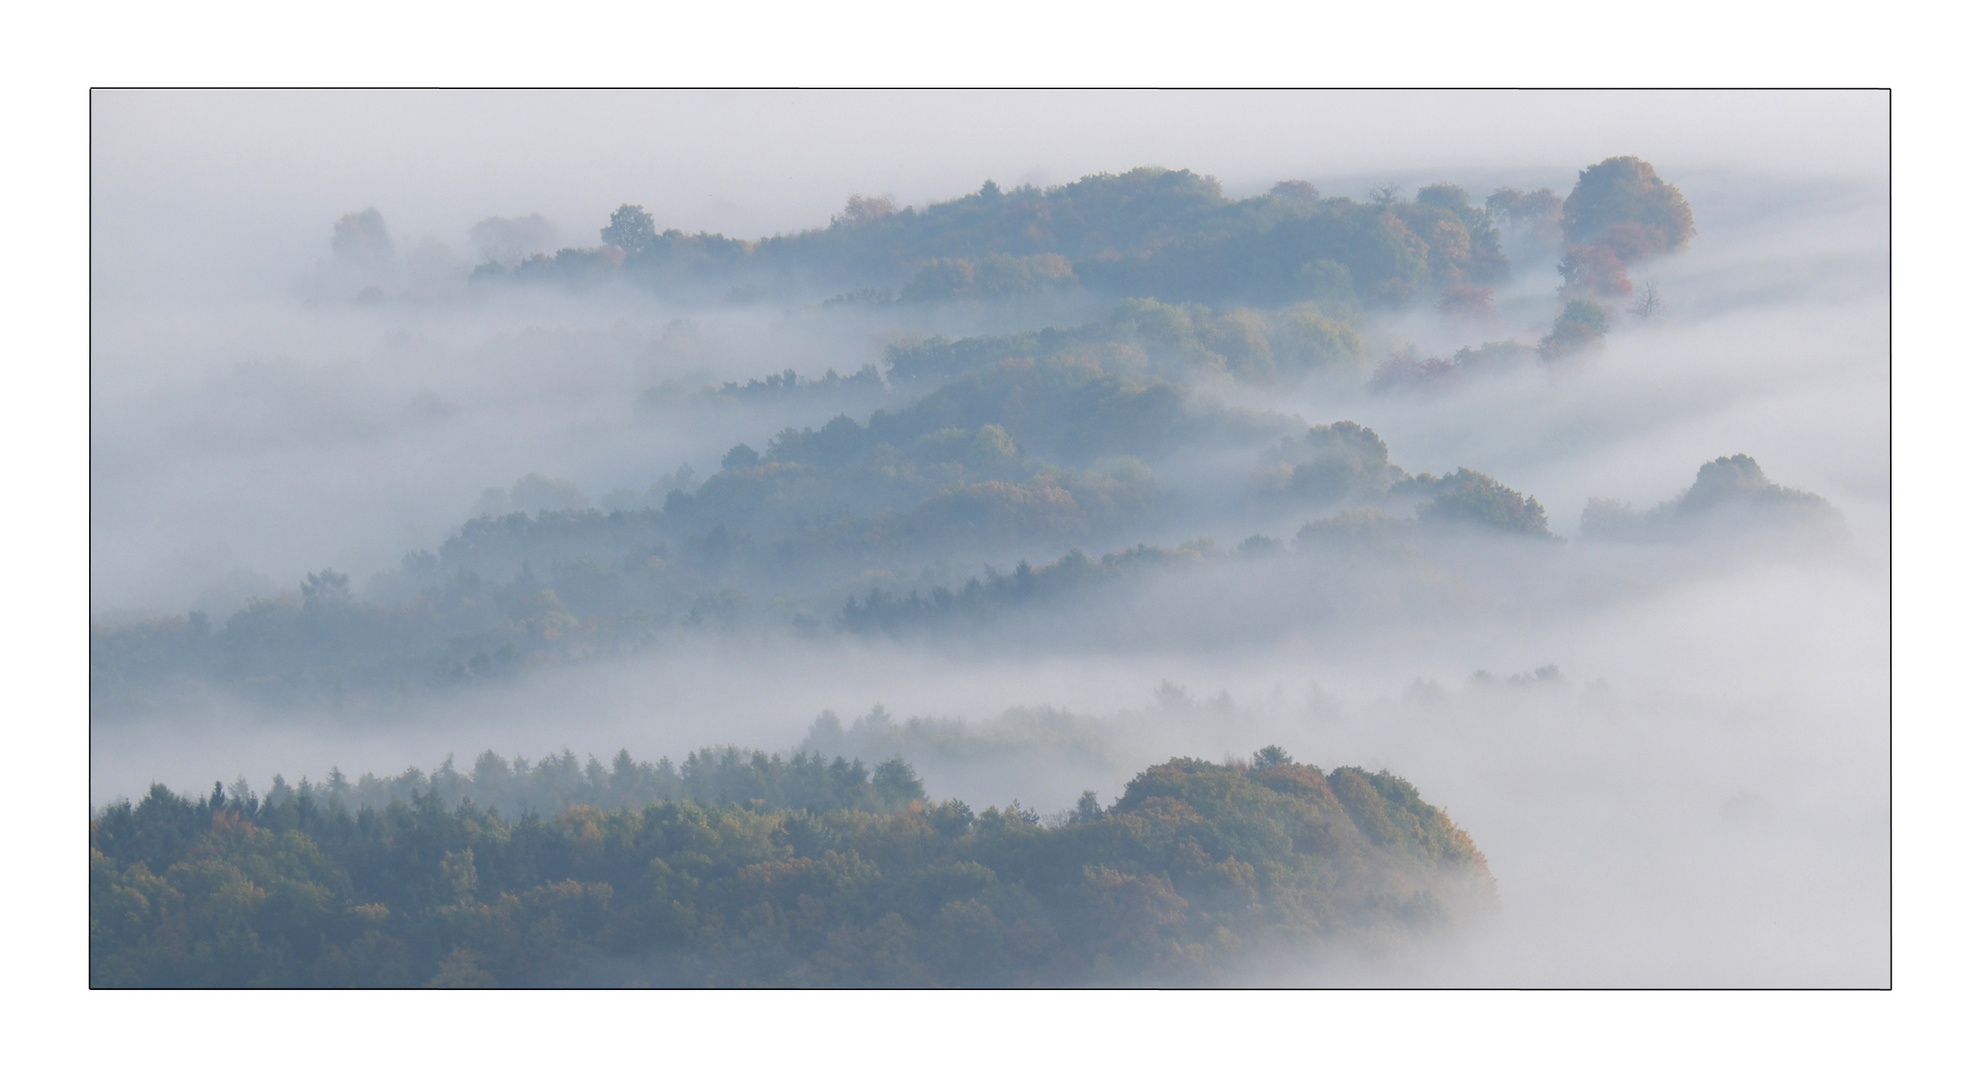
(1674, 752)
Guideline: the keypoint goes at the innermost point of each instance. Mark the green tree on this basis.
(1472, 498)
(897, 785)
(1270, 756)
(631, 230)
(1580, 327)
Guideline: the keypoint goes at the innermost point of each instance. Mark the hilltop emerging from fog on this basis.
(967, 509)
(780, 874)
(1524, 475)
(1167, 234)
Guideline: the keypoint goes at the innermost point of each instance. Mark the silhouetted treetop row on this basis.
(1169, 234)
(839, 519)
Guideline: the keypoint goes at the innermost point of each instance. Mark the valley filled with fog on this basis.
(1556, 484)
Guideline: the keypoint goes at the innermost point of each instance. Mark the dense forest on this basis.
(1169, 234)
(1158, 234)
(746, 869)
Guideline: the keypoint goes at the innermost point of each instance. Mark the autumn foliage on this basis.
(1199, 874)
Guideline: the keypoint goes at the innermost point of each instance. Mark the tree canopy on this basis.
(782, 873)
(1620, 203)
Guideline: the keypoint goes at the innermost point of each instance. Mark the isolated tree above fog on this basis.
(631, 230)
(1621, 204)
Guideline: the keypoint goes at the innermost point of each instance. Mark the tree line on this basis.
(799, 874)
(1166, 233)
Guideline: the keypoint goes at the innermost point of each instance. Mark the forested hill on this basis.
(744, 554)
(1169, 234)
(753, 870)
(1006, 471)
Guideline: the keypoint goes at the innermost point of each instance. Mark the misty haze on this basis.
(1158, 539)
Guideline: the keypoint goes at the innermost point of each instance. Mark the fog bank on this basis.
(1673, 747)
